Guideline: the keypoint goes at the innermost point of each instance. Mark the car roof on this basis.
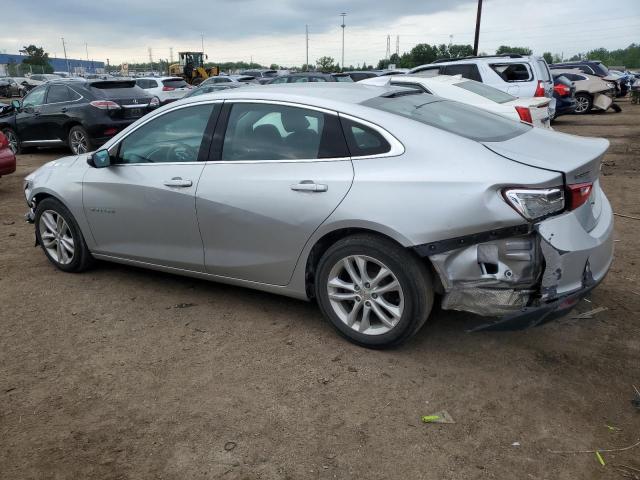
(330, 95)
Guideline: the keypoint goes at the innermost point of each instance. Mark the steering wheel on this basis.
(182, 152)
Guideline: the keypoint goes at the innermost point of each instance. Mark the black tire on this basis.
(75, 133)
(588, 101)
(14, 141)
(616, 108)
(81, 259)
(411, 273)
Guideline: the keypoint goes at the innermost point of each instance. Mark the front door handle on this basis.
(309, 186)
(178, 182)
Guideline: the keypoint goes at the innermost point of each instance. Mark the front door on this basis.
(280, 173)
(143, 206)
(29, 122)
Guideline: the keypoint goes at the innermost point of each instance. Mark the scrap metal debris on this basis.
(438, 417)
(589, 314)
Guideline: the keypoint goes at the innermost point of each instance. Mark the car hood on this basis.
(50, 167)
(577, 158)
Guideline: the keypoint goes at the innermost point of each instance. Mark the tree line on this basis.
(421, 54)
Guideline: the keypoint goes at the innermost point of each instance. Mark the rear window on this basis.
(460, 119)
(544, 71)
(513, 72)
(113, 84)
(486, 91)
(174, 83)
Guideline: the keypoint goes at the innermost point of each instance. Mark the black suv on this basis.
(82, 114)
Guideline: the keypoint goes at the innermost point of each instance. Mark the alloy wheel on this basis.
(582, 104)
(79, 144)
(365, 294)
(56, 237)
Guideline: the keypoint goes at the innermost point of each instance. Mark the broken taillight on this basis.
(578, 194)
(561, 89)
(525, 114)
(539, 89)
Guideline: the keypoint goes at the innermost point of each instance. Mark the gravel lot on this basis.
(121, 373)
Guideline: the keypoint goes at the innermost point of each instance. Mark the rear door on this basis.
(142, 207)
(277, 171)
(544, 74)
(55, 112)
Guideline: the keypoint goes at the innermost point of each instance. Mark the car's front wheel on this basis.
(373, 291)
(60, 237)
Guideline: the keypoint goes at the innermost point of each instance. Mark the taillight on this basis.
(105, 105)
(535, 203)
(167, 89)
(539, 89)
(525, 114)
(561, 89)
(578, 194)
(4, 141)
(110, 132)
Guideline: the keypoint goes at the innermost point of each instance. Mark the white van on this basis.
(518, 75)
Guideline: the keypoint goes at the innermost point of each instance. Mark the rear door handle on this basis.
(309, 186)
(178, 182)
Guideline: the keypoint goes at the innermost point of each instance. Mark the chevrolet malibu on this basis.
(374, 201)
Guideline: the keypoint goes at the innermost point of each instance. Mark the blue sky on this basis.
(272, 31)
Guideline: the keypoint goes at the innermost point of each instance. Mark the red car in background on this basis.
(7, 158)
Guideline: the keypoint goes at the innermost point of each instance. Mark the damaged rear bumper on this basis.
(528, 278)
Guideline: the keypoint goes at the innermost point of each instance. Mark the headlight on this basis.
(535, 203)
(611, 85)
(27, 186)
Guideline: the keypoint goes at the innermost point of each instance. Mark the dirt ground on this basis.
(121, 373)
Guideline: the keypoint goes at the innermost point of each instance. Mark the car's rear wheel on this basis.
(12, 137)
(373, 291)
(79, 141)
(584, 103)
(60, 237)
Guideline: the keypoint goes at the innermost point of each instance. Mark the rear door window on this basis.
(513, 72)
(429, 72)
(467, 70)
(278, 132)
(58, 94)
(174, 83)
(415, 86)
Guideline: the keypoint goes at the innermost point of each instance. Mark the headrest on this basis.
(294, 120)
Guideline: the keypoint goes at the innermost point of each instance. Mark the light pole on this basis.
(343, 25)
(64, 49)
(477, 36)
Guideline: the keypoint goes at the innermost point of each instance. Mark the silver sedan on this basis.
(374, 201)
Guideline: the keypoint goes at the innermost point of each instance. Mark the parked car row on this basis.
(375, 201)
(82, 114)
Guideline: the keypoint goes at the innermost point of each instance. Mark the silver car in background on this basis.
(374, 201)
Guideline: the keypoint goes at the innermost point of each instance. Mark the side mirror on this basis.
(15, 104)
(99, 159)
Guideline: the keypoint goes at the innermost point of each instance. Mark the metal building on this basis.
(75, 66)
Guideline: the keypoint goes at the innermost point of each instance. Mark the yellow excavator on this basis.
(191, 68)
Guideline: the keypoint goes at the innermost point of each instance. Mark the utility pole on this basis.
(398, 45)
(387, 53)
(151, 58)
(202, 39)
(477, 37)
(86, 49)
(343, 25)
(171, 54)
(306, 65)
(64, 48)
